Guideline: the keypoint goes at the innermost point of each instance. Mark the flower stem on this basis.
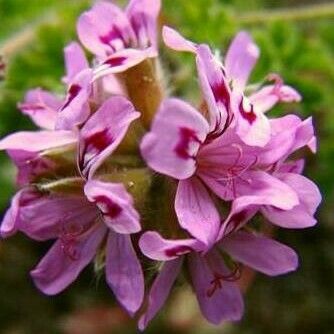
(310, 12)
(11, 46)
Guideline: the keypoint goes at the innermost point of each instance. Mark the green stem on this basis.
(26, 35)
(288, 14)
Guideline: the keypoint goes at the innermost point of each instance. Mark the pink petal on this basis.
(176, 41)
(294, 166)
(76, 110)
(30, 165)
(225, 303)
(307, 191)
(304, 136)
(75, 61)
(103, 132)
(41, 106)
(252, 125)
(105, 29)
(157, 248)
(264, 189)
(44, 217)
(115, 204)
(196, 210)
(300, 216)
(122, 60)
(175, 137)
(37, 141)
(240, 59)
(58, 269)
(124, 273)
(215, 88)
(268, 96)
(295, 218)
(260, 253)
(160, 290)
(10, 222)
(143, 16)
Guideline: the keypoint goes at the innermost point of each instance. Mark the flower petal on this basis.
(307, 191)
(225, 303)
(122, 60)
(105, 29)
(124, 273)
(300, 216)
(75, 61)
(116, 205)
(37, 141)
(252, 126)
(103, 132)
(44, 217)
(30, 165)
(157, 248)
(196, 210)
(260, 253)
(265, 189)
(143, 16)
(268, 96)
(10, 222)
(41, 106)
(160, 290)
(240, 59)
(58, 269)
(215, 88)
(76, 110)
(175, 137)
(174, 40)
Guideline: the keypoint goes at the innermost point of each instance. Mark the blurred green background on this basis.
(297, 43)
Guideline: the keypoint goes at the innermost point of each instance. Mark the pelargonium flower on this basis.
(180, 145)
(120, 39)
(100, 220)
(223, 87)
(213, 280)
(85, 219)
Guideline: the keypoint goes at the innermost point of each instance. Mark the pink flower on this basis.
(213, 280)
(82, 222)
(181, 145)
(81, 225)
(223, 87)
(120, 39)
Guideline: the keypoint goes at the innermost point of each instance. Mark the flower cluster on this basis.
(121, 175)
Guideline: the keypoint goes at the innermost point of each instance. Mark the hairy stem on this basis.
(310, 12)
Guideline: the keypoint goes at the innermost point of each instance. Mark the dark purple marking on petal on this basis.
(93, 145)
(235, 222)
(73, 92)
(113, 34)
(139, 24)
(115, 61)
(109, 208)
(186, 137)
(178, 251)
(31, 107)
(249, 115)
(221, 94)
(99, 140)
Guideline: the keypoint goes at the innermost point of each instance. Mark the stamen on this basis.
(218, 281)
(68, 237)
